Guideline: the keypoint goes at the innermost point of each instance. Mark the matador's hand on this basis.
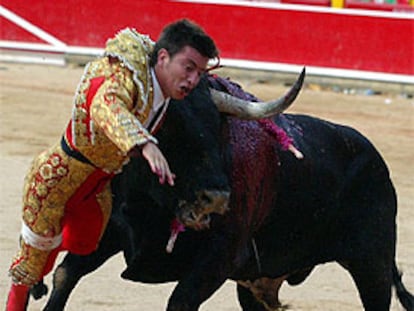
(158, 163)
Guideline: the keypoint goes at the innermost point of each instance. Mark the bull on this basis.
(284, 216)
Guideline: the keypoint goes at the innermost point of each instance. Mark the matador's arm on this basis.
(111, 111)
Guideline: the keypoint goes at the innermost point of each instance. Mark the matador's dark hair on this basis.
(183, 33)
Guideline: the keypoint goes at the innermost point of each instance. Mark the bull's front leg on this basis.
(211, 268)
(63, 283)
(67, 275)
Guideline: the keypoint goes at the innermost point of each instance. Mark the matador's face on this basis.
(179, 74)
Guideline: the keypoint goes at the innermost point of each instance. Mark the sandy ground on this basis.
(35, 106)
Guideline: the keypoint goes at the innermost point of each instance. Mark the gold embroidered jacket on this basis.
(112, 102)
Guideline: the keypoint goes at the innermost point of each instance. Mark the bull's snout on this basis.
(196, 215)
(216, 201)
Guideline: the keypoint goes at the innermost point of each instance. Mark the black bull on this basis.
(286, 215)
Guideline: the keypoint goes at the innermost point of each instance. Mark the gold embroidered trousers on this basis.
(64, 200)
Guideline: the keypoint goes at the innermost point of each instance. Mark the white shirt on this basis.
(160, 103)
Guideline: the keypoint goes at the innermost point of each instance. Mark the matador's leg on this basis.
(48, 185)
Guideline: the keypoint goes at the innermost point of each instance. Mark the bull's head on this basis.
(196, 213)
(191, 139)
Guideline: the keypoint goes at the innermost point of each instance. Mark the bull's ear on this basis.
(256, 110)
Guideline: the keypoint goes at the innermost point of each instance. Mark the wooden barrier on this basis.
(258, 34)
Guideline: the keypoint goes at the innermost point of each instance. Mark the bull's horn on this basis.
(256, 110)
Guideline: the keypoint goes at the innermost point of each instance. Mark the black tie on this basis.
(156, 117)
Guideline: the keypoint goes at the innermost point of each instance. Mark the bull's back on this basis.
(340, 195)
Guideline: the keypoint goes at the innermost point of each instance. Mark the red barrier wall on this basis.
(327, 38)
